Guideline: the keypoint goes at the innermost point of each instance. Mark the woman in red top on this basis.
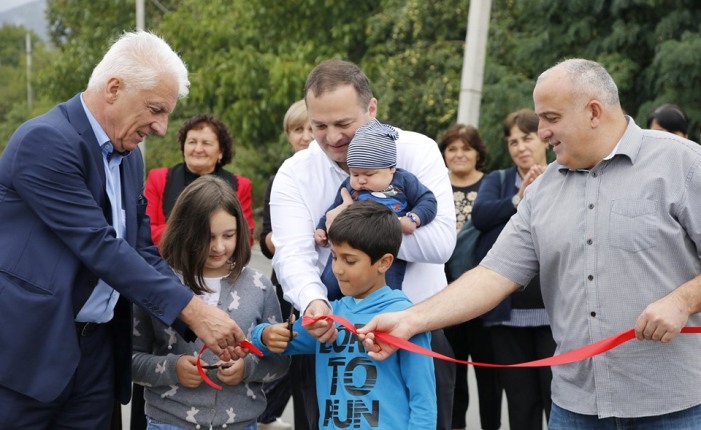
(206, 146)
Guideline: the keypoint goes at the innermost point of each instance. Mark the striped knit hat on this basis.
(373, 147)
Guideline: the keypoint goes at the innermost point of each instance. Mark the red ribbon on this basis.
(244, 344)
(568, 357)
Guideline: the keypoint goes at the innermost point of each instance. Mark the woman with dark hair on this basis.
(519, 326)
(465, 155)
(207, 147)
(671, 118)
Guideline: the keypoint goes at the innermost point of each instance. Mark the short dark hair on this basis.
(670, 117)
(197, 122)
(370, 227)
(468, 135)
(186, 241)
(525, 119)
(331, 74)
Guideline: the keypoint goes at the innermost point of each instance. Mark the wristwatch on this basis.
(411, 216)
(515, 200)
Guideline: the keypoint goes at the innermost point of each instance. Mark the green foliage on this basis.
(423, 43)
(14, 106)
(82, 30)
(81, 43)
(18, 114)
(249, 60)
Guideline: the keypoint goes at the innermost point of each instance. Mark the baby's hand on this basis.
(320, 237)
(277, 336)
(408, 226)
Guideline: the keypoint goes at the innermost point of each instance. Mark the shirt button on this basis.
(590, 277)
(589, 241)
(593, 314)
(591, 205)
(595, 174)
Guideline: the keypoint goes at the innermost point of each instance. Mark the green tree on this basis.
(416, 48)
(248, 70)
(248, 60)
(81, 31)
(14, 105)
(648, 46)
(13, 87)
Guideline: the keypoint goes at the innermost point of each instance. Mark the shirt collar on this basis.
(103, 140)
(333, 166)
(628, 146)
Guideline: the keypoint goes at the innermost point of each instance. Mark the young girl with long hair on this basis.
(206, 243)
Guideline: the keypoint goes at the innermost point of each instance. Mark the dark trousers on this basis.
(472, 340)
(277, 394)
(306, 408)
(116, 423)
(138, 416)
(527, 389)
(445, 380)
(86, 402)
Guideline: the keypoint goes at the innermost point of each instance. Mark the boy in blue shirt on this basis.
(353, 390)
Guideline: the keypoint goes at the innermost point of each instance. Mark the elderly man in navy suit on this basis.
(76, 246)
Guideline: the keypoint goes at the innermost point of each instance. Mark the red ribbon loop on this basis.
(568, 357)
(244, 344)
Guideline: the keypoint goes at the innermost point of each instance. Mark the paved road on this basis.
(261, 263)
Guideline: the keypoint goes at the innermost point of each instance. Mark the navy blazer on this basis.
(491, 211)
(493, 208)
(57, 241)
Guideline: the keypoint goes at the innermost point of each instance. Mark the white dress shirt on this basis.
(305, 187)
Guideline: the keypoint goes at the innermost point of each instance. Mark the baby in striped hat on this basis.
(372, 160)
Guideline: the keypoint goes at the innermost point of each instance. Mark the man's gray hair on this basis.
(140, 59)
(590, 80)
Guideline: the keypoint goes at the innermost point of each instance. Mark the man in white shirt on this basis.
(339, 100)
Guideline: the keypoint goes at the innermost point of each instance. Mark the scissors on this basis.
(290, 321)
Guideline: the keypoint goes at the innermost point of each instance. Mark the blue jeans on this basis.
(687, 419)
(157, 425)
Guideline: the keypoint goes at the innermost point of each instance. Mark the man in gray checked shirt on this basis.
(614, 227)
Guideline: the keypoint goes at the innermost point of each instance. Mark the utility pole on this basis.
(30, 97)
(140, 15)
(473, 62)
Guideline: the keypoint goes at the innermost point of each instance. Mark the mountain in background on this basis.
(31, 14)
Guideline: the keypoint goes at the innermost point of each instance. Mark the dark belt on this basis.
(86, 328)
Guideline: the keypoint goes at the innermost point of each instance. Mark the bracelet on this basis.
(411, 216)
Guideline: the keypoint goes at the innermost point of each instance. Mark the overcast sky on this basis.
(11, 4)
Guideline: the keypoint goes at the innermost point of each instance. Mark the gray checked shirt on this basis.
(608, 242)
